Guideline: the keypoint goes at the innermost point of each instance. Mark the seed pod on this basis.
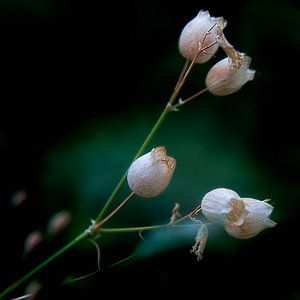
(230, 74)
(199, 33)
(223, 206)
(224, 78)
(149, 175)
(256, 220)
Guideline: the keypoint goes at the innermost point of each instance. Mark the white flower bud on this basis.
(256, 220)
(149, 175)
(192, 37)
(224, 78)
(223, 206)
(230, 74)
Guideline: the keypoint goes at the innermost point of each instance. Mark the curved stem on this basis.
(98, 225)
(144, 228)
(44, 263)
(168, 108)
(183, 102)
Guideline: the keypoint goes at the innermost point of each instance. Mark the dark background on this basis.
(82, 82)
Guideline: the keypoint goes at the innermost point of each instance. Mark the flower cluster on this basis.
(200, 39)
(150, 174)
(241, 217)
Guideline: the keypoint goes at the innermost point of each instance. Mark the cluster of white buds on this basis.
(149, 175)
(201, 38)
(241, 217)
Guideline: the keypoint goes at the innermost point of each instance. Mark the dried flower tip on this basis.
(175, 213)
(223, 206)
(58, 222)
(32, 241)
(149, 175)
(230, 74)
(233, 54)
(198, 34)
(201, 239)
(257, 219)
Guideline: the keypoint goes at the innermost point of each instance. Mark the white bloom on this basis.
(223, 206)
(149, 175)
(192, 37)
(256, 220)
(241, 217)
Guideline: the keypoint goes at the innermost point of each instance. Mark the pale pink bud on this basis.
(18, 198)
(32, 241)
(225, 78)
(199, 33)
(149, 175)
(59, 221)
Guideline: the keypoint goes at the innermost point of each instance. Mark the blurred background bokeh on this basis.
(82, 82)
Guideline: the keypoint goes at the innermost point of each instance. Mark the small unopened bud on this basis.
(149, 175)
(241, 217)
(231, 73)
(256, 220)
(198, 34)
(59, 221)
(32, 241)
(18, 198)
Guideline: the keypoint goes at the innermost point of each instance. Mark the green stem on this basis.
(168, 108)
(138, 154)
(183, 102)
(144, 228)
(44, 264)
(131, 229)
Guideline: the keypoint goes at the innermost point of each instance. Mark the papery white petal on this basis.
(193, 34)
(225, 78)
(256, 221)
(149, 175)
(216, 205)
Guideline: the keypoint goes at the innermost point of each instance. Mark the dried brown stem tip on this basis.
(231, 73)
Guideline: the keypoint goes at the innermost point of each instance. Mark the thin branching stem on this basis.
(98, 225)
(168, 108)
(146, 228)
(43, 264)
(185, 101)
